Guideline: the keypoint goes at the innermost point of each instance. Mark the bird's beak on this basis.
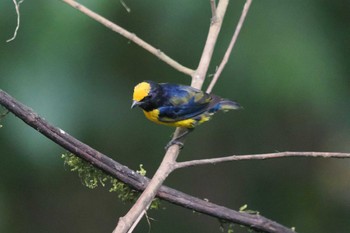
(135, 103)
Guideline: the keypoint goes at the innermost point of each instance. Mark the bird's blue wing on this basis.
(182, 102)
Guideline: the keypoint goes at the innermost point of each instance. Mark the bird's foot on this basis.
(174, 142)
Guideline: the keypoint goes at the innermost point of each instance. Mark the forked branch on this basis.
(169, 161)
(199, 76)
(230, 47)
(132, 178)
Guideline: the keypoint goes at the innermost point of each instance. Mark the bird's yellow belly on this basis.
(187, 123)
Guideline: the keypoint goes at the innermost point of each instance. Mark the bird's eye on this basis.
(146, 98)
(151, 95)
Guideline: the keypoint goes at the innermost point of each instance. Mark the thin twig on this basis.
(149, 219)
(132, 178)
(131, 36)
(131, 229)
(230, 47)
(125, 6)
(17, 4)
(262, 157)
(213, 10)
(199, 76)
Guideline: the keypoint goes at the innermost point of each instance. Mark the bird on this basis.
(178, 105)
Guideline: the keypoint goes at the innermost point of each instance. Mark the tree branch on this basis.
(213, 10)
(132, 178)
(262, 157)
(230, 47)
(143, 202)
(124, 174)
(197, 81)
(169, 161)
(199, 76)
(17, 4)
(131, 36)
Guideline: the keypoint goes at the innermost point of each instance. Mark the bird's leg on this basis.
(177, 139)
(174, 142)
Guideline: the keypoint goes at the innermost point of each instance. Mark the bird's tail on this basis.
(226, 105)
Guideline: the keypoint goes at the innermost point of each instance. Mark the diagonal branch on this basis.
(199, 76)
(131, 36)
(230, 47)
(166, 167)
(213, 10)
(142, 204)
(132, 178)
(262, 157)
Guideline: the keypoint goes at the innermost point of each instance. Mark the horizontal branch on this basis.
(262, 157)
(130, 36)
(131, 177)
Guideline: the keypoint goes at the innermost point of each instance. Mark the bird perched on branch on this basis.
(178, 105)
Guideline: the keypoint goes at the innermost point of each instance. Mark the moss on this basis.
(226, 226)
(92, 177)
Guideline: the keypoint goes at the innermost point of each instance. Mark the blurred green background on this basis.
(290, 70)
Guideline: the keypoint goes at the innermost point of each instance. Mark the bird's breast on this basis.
(153, 115)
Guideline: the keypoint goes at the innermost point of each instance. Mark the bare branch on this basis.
(131, 36)
(17, 4)
(262, 157)
(146, 198)
(199, 76)
(213, 10)
(230, 47)
(172, 153)
(125, 6)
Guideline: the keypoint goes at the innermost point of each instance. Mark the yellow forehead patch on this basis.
(141, 90)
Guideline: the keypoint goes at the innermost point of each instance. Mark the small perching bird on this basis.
(178, 105)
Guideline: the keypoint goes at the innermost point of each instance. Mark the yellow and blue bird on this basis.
(178, 105)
